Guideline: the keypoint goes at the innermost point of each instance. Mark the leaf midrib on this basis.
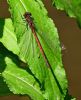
(7, 72)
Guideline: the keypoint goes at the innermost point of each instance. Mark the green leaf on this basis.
(4, 90)
(72, 7)
(30, 52)
(7, 35)
(20, 81)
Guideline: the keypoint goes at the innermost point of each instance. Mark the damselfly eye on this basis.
(27, 14)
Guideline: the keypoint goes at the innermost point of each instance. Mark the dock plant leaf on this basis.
(7, 35)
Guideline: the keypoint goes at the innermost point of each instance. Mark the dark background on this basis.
(70, 37)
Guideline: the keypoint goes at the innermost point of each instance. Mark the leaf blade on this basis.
(7, 35)
(20, 82)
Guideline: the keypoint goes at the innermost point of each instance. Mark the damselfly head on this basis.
(27, 14)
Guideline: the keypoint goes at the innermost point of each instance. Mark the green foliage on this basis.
(72, 8)
(20, 81)
(3, 87)
(19, 47)
(7, 35)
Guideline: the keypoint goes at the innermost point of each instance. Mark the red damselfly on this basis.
(29, 20)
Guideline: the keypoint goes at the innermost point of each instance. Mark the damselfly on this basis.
(29, 20)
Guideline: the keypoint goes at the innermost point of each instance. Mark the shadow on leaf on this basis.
(2, 22)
